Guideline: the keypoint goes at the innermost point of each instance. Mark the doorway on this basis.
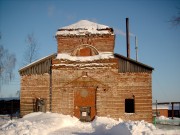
(85, 103)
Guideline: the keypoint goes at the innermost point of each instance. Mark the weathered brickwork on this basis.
(108, 85)
(32, 87)
(103, 43)
(112, 88)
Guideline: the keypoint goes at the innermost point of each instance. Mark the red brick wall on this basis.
(112, 88)
(32, 87)
(162, 112)
(103, 43)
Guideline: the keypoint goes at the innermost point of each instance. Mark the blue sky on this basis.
(158, 40)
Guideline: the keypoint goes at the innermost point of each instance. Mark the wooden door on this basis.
(84, 99)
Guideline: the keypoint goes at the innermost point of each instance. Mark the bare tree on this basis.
(7, 64)
(31, 51)
(18, 93)
(176, 19)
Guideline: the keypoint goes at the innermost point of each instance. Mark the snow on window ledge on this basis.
(129, 113)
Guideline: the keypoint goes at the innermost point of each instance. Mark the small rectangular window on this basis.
(129, 106)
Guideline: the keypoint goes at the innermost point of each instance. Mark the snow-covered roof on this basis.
(160, 107)
(85, 24)
(37, 61)
(84, 27)
(166, 106)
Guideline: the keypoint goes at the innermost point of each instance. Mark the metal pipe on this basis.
(136, 47)
(156, 109)
(50, 87)
(127, 38)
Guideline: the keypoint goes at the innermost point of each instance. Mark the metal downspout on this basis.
(50, 87)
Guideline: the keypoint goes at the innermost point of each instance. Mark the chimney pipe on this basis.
(127, 38)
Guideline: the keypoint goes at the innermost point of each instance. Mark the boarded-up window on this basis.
(129, 106)
(39, 105)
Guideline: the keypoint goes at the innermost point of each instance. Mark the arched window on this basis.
(84, 50)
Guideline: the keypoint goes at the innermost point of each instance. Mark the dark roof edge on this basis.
(131, 60)
(37, 61)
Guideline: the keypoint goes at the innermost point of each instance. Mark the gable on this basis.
(85, 81)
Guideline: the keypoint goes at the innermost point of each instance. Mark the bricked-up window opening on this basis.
(129, 106)
(85, 52)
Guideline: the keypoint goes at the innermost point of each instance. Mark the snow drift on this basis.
(57, 124)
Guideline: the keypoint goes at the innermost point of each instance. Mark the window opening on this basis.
(39, 105)
(129, 106)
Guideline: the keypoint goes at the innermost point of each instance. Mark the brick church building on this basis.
(85, 78)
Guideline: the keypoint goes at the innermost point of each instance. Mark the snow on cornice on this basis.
(84, 27)
(66, 56)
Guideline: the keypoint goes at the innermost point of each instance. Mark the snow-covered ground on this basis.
(168, 121)
(58, 124)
